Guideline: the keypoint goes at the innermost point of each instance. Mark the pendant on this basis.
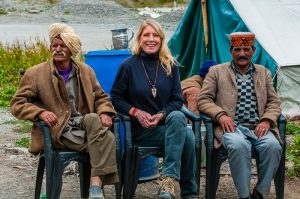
(153, 90)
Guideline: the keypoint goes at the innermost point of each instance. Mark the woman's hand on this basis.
(143, 117)
(155, 119)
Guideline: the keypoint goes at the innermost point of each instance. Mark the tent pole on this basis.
(205, 24)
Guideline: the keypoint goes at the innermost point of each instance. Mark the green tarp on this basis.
(188, 46)
(187, 43)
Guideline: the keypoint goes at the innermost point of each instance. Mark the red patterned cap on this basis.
(238, 39)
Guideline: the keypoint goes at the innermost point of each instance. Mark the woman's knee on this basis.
(190, 137)
(176, 116)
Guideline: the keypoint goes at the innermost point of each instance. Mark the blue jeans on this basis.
(179, 149)
(239, 146)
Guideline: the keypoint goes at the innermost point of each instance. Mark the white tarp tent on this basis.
(276, 24)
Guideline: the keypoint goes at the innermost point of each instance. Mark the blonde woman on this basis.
(147, 87)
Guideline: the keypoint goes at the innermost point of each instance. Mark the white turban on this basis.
(68, 36)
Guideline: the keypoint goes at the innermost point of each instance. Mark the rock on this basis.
(32, 11)
(16, 151)
(6, 3)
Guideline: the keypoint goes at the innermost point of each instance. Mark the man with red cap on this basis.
(240, 98)
(65, 94)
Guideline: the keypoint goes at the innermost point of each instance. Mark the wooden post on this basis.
(205, 24)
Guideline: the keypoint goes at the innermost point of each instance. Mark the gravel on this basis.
(105, 12)
(18, 167)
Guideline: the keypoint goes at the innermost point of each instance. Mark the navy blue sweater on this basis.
(132, 89)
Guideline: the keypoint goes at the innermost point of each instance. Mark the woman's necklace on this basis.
(153, 88)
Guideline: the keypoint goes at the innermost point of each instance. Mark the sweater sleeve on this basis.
(175, 101)
(119, 91)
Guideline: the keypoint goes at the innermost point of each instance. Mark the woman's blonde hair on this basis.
(165, 55)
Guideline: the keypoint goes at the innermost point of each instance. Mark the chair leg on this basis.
(49, 174)
(118, 186)
(84, 175)
(130, 185)
(136, 172)
(216, 174)
(118, 189)
(58, 170)
(279, 177)
(198, 146)
(39, 177)
(210, 191)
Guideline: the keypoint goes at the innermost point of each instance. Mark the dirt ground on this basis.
(18, 167)
(18, 171)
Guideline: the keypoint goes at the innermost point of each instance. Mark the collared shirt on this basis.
(246, 108)
(73, 131)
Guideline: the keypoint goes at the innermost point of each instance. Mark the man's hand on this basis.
(144, 118)
(49, 118)
(227, 124)
(262, 128)
(106, 120)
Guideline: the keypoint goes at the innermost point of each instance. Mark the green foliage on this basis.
(149, 3)
(20, 126)
(292, 128)
(15, 57)
(293, 154)
(23, 142)
(3, 12)
(66, 12)
(53, 1)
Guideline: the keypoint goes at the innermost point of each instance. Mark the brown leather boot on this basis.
(167, 188)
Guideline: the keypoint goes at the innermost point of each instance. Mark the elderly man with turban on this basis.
(65, 94)
(240, 98)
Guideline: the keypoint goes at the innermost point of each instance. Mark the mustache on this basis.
(59, 53)
(242, 58)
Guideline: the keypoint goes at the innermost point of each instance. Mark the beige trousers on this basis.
(101, 146)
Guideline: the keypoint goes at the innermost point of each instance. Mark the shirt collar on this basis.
(250, 70)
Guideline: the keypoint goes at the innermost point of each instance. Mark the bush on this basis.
(149, 3)
(293, 154)
(23, 142)
(15, 57)
(292, 128)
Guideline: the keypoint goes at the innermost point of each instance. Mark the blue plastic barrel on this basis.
(105, 63)
(149, 169)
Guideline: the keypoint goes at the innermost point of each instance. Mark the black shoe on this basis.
(256, 195)
(191, 197)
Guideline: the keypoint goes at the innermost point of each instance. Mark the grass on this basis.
(23, 142)
(40, 1)
(20, 126)
(66, 12)
(149, 3)
(16, 57)
(292, 128)
(293, 154)
(3, 12)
